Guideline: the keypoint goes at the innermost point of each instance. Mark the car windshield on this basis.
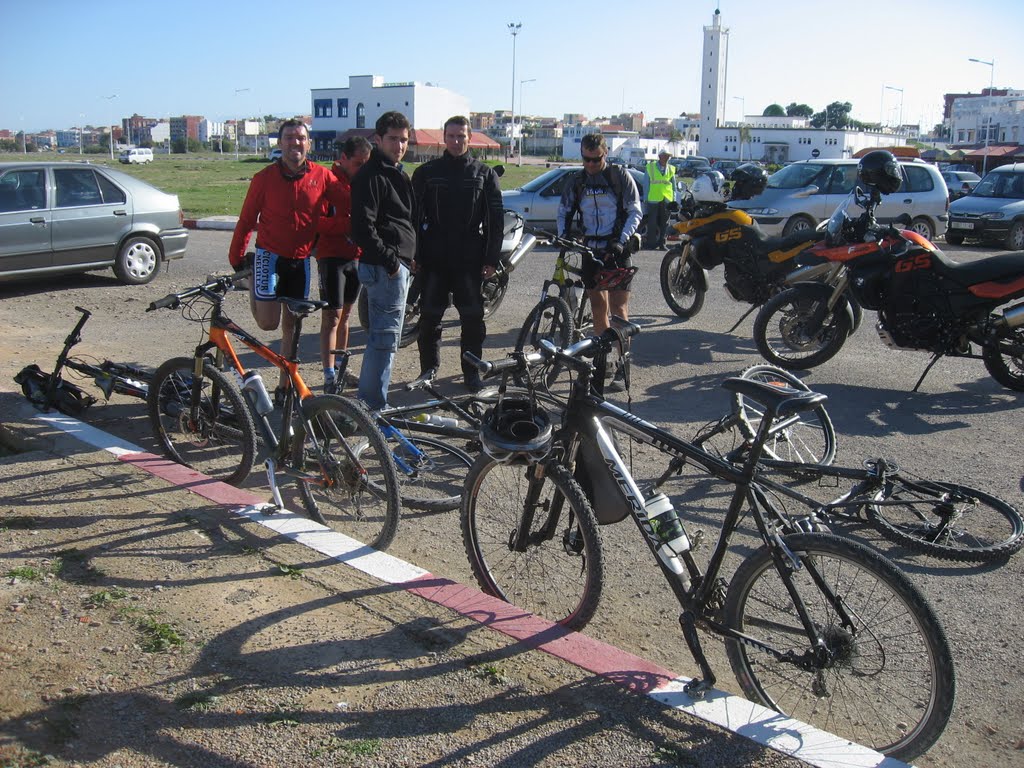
(794, 176)
(1009, 186)
(535, 185)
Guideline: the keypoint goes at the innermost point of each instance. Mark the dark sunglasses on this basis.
(597, 159)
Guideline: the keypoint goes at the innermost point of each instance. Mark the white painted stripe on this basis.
(732, 713)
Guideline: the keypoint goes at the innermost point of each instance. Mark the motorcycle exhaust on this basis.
(1012, 317)
(526, 245)
(809, 273)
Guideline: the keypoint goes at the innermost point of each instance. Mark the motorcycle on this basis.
(515, 244)
(924, 300)
(714, 234)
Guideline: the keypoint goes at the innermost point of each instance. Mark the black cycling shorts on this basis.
(274, 276)
(339, 281)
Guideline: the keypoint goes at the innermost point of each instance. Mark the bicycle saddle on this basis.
(301, 307)
(778, 399)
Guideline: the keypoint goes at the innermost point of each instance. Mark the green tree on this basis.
(798, 110)
(837, 114)
(774, 110)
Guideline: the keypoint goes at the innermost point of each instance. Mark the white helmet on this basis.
(709, 188)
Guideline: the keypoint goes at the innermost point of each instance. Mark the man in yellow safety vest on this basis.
(660, 193)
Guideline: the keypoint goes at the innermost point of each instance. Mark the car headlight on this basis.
(762, 211)
(993, 215)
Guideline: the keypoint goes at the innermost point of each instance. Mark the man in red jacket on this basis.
(286, 198)
(337, 258)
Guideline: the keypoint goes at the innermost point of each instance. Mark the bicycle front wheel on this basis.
(550, 320)
(216, 436)
(885, 675)
(539, 550)
(947, 521)
(806, 438)
(430, 472)
(351, 485)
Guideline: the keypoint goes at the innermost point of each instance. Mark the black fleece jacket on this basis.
(461, 217)
(383, 213)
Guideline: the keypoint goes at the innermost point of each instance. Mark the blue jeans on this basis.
(386, 302)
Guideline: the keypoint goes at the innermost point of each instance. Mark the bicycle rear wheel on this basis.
(887, 679)
(805, 438)
(220, 441)
(355, 490)
(559, 571)
(948, 521)
(430, 472)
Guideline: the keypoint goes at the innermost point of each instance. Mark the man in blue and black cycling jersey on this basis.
(603, 202)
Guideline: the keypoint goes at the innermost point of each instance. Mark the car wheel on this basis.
(922, 226)
(1015, 237)
(137, 262)
(797, 224)
(954, 238)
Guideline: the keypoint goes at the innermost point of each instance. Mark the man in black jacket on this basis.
(460, 223)
(383, 212)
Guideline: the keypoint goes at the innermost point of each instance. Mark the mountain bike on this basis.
(52, 390)
(816, 626)
(329, 445)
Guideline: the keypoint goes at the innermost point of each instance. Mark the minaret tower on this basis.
(713, 79)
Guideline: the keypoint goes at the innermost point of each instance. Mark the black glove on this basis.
(247, 262)
(614, 251)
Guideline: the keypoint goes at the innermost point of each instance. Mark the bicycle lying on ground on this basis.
(816, 626)
(52, 390)
(328, 444)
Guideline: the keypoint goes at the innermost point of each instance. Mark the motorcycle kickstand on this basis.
(744, 317)
(935, 359)
(698, 686)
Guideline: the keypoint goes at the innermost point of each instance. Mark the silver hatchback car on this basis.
(802, 194)
(76, 217)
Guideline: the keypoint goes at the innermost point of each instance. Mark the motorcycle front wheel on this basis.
(494, 290)
(1004, 359)
(683, 293)
(783, 334)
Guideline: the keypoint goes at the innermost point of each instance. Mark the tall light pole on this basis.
(237, 137)
(743, 117)
(991, 82)
(522, 114)
(900, 92)
(111, 97)
(513, 27)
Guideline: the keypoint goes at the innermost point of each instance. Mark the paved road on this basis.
(962, 426)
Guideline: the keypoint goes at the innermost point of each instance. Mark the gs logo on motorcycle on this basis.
(920, 261)
(730, 234)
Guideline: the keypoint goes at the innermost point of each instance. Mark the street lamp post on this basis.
(743, 117)
(900, 92)
(111, 98)
(991, 83)
(522, 114)
(513, 27)
(237, 138)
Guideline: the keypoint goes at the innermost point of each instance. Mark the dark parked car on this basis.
(691, 166)
(726, 167)
(993, 211)
(76, 217)
(960, 183)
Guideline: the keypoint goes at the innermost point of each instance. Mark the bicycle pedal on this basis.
(696, 689)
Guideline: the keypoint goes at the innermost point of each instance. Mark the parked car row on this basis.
(801, 195)
(75, 217)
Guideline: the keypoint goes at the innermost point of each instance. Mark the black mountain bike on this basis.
(816, 626)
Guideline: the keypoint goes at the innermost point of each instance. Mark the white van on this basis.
(136, 155)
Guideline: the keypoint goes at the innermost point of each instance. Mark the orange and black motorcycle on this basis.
(924, 300)
(712, 234)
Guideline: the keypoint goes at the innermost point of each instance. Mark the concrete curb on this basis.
(223, 223)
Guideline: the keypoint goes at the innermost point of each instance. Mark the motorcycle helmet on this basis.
(748, 180)
(709, 188)
(515, 430)
(880, 170)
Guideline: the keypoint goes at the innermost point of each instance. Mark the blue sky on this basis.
(63, 60)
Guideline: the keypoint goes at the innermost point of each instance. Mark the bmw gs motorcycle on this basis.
(924, 300)
(713, 234)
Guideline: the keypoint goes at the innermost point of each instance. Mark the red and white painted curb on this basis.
(733, 713)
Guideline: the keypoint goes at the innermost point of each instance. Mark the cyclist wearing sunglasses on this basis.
(602, 202)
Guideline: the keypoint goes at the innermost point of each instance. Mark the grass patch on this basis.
(105, 598)
(492, 673)
(197, 701)
(282, 717)
(158, 637)
(289, 570)
(26, 573)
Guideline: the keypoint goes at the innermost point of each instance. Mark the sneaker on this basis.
(330, 386)
(617, 383)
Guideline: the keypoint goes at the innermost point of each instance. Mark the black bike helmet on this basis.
(515, 430)
(880, 170)
(748, 180)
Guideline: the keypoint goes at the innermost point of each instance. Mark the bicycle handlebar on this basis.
(563, 242)
(221, 284)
